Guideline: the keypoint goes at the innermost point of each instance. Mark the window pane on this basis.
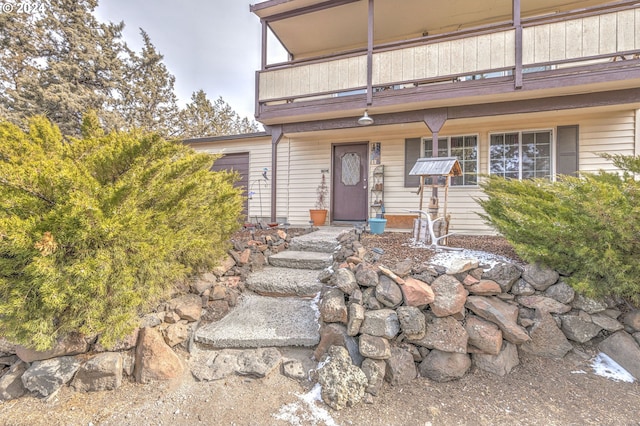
(428, 148)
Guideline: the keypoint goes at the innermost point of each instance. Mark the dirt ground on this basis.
(537, 392)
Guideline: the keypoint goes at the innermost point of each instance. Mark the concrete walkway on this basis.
(290, 318)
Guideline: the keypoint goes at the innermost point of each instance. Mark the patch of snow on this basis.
(446, 258)
(604, 366)
(578, 372)
(310, 414)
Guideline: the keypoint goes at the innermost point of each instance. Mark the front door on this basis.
(350, 182)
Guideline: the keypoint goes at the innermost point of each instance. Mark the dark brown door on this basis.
(350, 182)
(238, 162)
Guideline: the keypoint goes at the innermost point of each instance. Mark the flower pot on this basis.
(376, 225)
(318, 217)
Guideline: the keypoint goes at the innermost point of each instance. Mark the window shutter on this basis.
(567, 149)
(411, 155)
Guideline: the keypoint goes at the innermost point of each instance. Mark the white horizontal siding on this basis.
(612, 133)
(300, 162)
(259, 158)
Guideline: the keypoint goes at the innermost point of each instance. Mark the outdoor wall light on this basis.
(365, 120)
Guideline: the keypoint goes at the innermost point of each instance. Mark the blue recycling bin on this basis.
(376, 225)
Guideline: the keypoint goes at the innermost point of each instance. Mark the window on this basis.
(521, 155)
(465, 148)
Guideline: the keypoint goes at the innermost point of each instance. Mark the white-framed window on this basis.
(464, 148)
(521, 154)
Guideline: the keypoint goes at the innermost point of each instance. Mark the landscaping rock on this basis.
(366, 275)
(632, 319)
(356, 316)
(562, 292)
(522, 288)
(294, 370)
(374, 347)
(177, 333)
(445, 334)
(101, 372)
(444, 366)
(412, 322)
(345, 280)
(543, 304)
(381, 322)
(155, 360)
(606, 322)
(588, 305)
(484, 288)
(547, 340)
(11, 386)
(505, 274)
(188, 307)
(259, 362)
(462, 265)
(343, 384)
(483, 335)
(123, 344)
(203, 283)
(401, 368)
(375, 370)
(416, 293)
(388, 292)
(623, 349)
(72, 344)
(501, 314)
(47, 376)
(403, 268)
(333, 307)
(336, 335)
(450, 296)
(579, 328)
(214, 365)
(369, 299)
(500, 364)
(540, 277)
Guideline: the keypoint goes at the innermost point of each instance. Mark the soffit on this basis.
(344, 27)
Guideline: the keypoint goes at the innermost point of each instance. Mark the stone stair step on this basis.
(260, 321)
(275, 281)
(301, 259)
(325, 240)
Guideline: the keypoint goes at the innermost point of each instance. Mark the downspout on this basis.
(276, 136)
(518, 47)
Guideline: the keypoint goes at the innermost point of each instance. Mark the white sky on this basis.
(213, 45)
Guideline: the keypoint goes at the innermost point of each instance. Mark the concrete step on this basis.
(260, 321)
(274, 281)
(301, 259)
(324, 240)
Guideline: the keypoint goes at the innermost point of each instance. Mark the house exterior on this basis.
(518, 88)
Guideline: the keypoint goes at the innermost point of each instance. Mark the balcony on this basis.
(593, 49)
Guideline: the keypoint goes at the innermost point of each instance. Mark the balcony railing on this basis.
(561, 41)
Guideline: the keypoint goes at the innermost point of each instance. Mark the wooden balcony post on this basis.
(517, 23)
(276, 136)
(370, 55)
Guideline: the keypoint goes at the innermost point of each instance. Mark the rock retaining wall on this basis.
(149, 353)
(435, 321)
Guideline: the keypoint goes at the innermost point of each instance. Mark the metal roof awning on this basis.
(439, 166)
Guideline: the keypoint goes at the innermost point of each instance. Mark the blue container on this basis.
(377, 225)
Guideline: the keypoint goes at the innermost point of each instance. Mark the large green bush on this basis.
(94, 230)
(588, 226)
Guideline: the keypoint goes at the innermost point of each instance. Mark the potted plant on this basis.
(319, 214)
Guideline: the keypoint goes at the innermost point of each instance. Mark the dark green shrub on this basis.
(588, 226)
(94, 230)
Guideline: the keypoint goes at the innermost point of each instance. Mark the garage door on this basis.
(238, 162)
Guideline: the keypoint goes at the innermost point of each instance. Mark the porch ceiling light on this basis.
(365, 120)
